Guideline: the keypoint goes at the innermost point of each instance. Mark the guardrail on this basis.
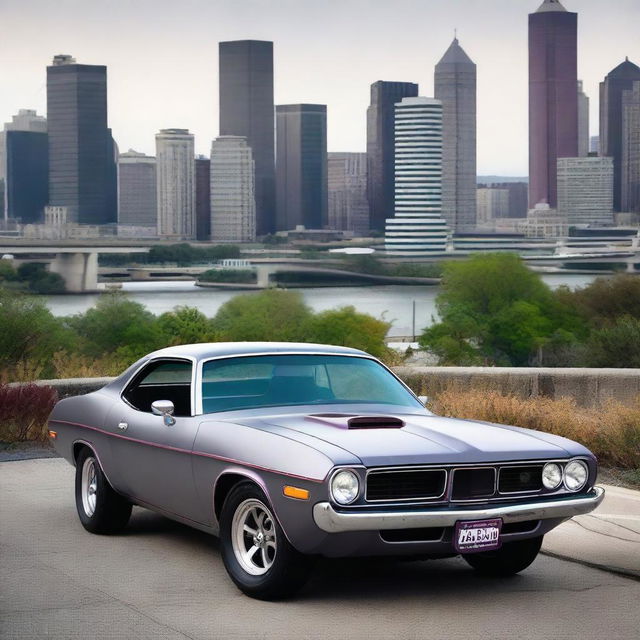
(589, 387)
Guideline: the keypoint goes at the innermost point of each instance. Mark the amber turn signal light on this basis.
(53, 434)
(295, 492)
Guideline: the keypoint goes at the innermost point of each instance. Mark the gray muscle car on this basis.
(290, 451)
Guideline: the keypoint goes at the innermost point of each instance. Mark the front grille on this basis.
(473, 484)
(520, 478)
(419, 484)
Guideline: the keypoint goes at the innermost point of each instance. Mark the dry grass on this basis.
(24, 410)
(611, 432)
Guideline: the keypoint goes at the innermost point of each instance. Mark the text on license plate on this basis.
(478, 535)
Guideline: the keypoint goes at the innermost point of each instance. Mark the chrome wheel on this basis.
(89, 486)
(253, 537)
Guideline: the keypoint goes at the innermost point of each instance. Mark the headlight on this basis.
(344, 486)
(551, 475)
(575, 475)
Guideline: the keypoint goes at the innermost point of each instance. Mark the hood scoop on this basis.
(350, 421)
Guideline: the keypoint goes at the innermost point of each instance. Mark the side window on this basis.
(162, 380)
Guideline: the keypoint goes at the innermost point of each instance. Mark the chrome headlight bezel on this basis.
(567, 467)
(560, 472)
(336, 476)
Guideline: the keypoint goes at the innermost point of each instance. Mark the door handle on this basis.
(123, 426)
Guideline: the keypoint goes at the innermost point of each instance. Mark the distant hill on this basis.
(492, 179)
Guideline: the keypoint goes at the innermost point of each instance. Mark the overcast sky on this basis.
(162, 58)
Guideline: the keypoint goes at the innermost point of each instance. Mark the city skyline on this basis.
(162, 91)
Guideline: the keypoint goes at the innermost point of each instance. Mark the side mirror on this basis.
(424, 399)
(165, 409)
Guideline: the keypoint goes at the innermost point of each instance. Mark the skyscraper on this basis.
(247, 109)
(455, 87)
(82, 171)
(348, 208)
(630, 178)
(553, 97)
(301, 166)
(617, 80)
(417, 226)
(583, 122)
(137, 190)
(203, 198)
(176, 183)
(585, 190)
(25, 120)
(380, 150)
(233, 202)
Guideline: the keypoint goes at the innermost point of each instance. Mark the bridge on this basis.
(77, 264)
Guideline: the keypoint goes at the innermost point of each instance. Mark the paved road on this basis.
(163, 580)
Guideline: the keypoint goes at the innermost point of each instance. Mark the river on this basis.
(392, 303)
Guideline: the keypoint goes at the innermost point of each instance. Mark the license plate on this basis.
(471, 536)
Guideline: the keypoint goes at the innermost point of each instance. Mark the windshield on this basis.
(277, 380)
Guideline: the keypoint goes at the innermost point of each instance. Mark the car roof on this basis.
(204, 350)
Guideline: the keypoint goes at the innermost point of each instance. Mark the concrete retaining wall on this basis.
(590, 387)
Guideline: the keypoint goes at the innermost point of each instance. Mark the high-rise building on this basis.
(492, 204)
(380, 149)
(176, 183)
(233, 202)
(594, 144)
(301, 166)
(247, 109)
(585, 190)
(137, 191)
(82, 160)
(617, 80)
(583, 122)
(417, 226)
(630, 178)
(455, 87)
(26, 120)
(348, 208)
(203, 198)
(553, 97)
(27, 175)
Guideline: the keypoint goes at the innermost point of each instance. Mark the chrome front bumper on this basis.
(332, 521)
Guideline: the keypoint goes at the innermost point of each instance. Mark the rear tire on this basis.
(100, 509)
(256, 553)
(510, 559)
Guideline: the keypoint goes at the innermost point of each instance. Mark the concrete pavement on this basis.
(160, 579)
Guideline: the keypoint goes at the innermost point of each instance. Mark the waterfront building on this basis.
(82, 155)
(630, 178)
(380, 148)
(545, 222)
(233, 202)
(455, 87)
(585, 190)
(301, 166)
(348, 208)
(583, 122)
(615, 83)
(203, 198)
(553, 97)
(247, 109)
(176, 186)
(417, 227)
(137, 193)
(492, 203)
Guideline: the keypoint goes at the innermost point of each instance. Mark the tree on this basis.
(617, 344)
(273, 314)
(494, 310)
(185, 325)
(347, 327)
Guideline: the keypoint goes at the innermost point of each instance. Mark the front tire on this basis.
(100, 509)
(510, 559)
(256, 553)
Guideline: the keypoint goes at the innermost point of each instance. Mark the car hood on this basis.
(423, 439)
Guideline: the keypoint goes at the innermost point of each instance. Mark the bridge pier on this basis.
(78, 270)
(263, 273)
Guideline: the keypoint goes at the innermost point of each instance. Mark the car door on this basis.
(153, 457)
